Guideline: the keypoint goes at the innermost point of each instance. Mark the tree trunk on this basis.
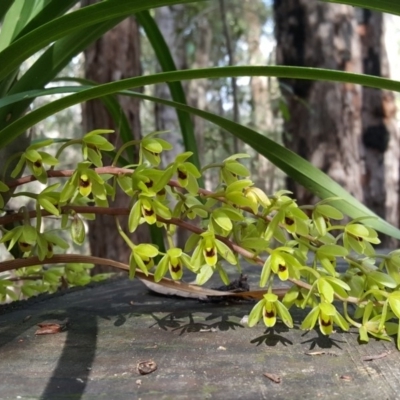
(197, 88)
(169, 20)
(262, 119)
(392, 155)
(375, 134)
(113, 57)
(325, 117)
(379, 121)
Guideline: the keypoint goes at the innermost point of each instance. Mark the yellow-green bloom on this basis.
(268, 309)
(321, 216)
(282, 263)
(326, 314)
(151, 148)
(207, 250)
(142, 256)
(359, 237)
(231, 168)
(85, 185)
(279, 266)
(146, 209)
(35, 161)
(23, 235)
(173, 261)
(257, 198)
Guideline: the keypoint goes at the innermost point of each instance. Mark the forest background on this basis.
(349, 132)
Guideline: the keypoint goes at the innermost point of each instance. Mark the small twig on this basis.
(174, 221)
(375, 357)
(169, 283)
(125, 211)
(25, 278)
(322, 352)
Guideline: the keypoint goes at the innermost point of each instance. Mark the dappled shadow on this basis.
(119, 303)
(176, 322)
(170, 321)
(272, 337)
(121, 318)
(224, 324)
(15, 330)
(191, 326)
(322, 341)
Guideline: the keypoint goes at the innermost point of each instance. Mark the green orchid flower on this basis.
(25, 236)
(87, 182)
(93, 143)
(151, 148)
(142, 256)
(327, 315)
(146, 209)
(36, 160)
(173, 260)
(282, 263)
(321, 216)
(187, 172)
(269, 308)
(207, 250)
(257, 198)
(231, 169)
(359, 237)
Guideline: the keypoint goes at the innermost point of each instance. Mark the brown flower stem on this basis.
(176, 285)
(125, 211)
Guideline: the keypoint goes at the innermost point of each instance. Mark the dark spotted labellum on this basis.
(289, 221)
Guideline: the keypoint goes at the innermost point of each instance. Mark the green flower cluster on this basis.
(236, 222)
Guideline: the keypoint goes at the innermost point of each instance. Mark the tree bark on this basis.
(379, 123)
(197, 88)
(169, 20)
(113, 57)
(325, 117)
(262, 119)
(375, 134)
(392, 155)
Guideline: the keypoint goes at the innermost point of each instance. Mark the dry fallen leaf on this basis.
(50, 328)
(146, 367)
(273, 377)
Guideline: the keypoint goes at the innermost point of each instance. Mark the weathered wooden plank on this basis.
(202, 351)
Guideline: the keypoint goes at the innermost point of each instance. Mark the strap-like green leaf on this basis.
(295, 166)
(16, 18)
(388, 6)
(167, 63)
(4, 7)
(51, 62)
(9, 133)
(75, 21)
